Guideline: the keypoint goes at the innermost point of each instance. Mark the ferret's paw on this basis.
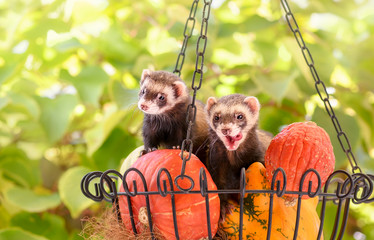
(222, 215)
(226, 209)
(143, 152)
(229, 208)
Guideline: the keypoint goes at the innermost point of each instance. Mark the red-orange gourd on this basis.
(190, 208)
(297, 148)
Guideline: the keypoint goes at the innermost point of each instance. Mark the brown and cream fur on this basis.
(235, 141)
(164, 99)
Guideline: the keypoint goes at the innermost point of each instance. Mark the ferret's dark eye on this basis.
(216, 118)
(240, 117)
(162, 98)
(143, 91)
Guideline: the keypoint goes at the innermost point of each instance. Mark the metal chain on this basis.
(196, 85)
(320, 86)
(187, 33)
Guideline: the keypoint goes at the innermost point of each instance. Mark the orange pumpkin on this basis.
(256, 213)
(190, 208)
(297, 148)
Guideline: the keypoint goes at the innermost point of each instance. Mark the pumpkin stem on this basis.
(143, 215)
(185, 154)
(289, 201)
(310, 123)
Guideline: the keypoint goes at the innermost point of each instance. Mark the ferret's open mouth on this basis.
(232, 141)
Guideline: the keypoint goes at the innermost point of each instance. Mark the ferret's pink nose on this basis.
(143, 107)
(226, 131)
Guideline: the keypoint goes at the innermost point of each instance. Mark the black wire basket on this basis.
(340, 190)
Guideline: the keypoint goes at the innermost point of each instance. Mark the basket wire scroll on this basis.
(341, 187)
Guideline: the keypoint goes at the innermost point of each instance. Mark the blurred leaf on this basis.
(122, 96)
(304, 86)
(324, 61)
(177, 12)
(322, 58)
(52, 58)
(55, 115)
(50, 173)
(68, 45)
(268, 50)
(360, 105)
(32, 133)
(163, 61)
(330, 217)
(145, 60)
(130, 159)
(96, 136)
(349, 126)
(18, 234)
(275, 84)
(363, 212)
(127, 162)
(117, 145)
(85, 11)
(256, 23)
(48, 225)
(158, 41)
(75, 235)
(133, 122)
(228, 44)
(253, 23)
(70, 191)
(364, 161)
(20, 170)
(16, 166)
(45, 24)
(6, 72)
(3, 102)
(89, 83)
(26, 102)
(271, 114)
(4, 216)
(31, 201)
(115, 47)
(292, 47)
(24, 86)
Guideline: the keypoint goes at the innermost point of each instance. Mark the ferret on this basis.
(164, 98)
(235, 140)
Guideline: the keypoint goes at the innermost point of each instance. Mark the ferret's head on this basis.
(232, 117)
(160, 91)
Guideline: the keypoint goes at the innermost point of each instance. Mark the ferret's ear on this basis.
(146, 73)
(253, 104)
(210, 102)
(179, 88)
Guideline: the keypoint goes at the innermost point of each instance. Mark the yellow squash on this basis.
(256, 213)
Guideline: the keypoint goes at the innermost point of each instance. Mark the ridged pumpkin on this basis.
(297, 148)
(190, 208)
(256, 213)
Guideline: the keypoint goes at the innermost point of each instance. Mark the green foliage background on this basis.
(69, 72)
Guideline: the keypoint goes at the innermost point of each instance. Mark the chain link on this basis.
(197, 77)
(320, 86)
(187, 33)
